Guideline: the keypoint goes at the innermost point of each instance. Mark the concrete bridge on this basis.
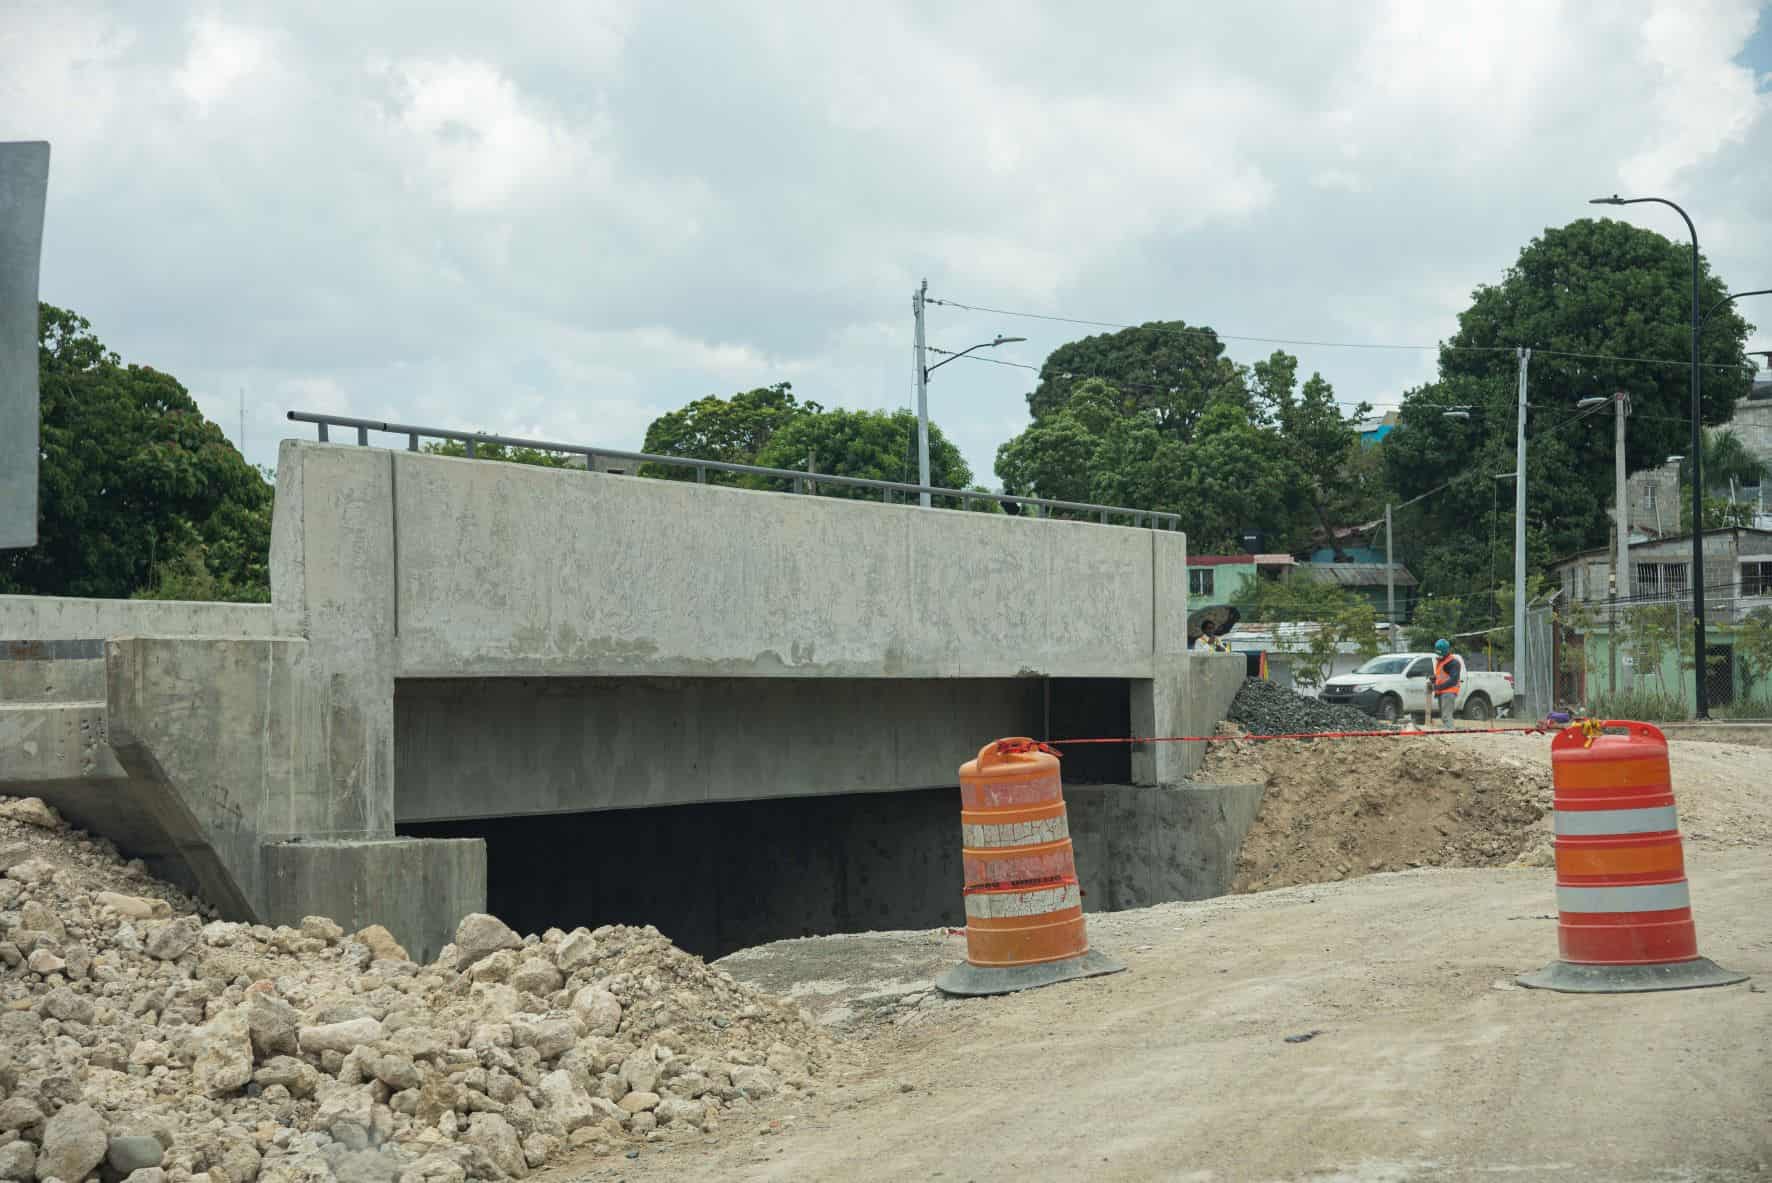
(465, 656)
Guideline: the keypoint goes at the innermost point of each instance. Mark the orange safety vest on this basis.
(1440, 675)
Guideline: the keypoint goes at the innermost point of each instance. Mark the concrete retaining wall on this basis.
(69, 618)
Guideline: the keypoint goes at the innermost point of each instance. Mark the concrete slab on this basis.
(418, 888)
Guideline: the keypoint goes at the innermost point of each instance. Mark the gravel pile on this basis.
(1267, 708)
(140, 1044)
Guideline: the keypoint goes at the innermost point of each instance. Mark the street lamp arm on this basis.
(981, 345)
(1730, 299)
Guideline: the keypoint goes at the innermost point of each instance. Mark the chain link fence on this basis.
(1643, 664)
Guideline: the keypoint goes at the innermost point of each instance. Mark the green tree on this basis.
(1434, 618)
(1651, 631)
(732, 430)
(1166, 369)
(134, 477)
(509, 455)
(873, 445)
(1753, 650)
(1598, 289)
(1727, 461)
(1209, 444)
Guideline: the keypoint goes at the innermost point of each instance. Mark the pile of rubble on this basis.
(138, 1043)
(1267, 708)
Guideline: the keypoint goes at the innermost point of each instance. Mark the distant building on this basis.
(1218, 579)
(1375, 429)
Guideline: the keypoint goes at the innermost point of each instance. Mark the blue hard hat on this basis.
(1441, 646)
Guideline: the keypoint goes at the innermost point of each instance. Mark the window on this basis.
(1422, 668)
(1648, 498)
(1756, 578)
(1199, 581)
(1660, 579)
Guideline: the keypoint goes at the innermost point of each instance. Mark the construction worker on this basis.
(1448, 673)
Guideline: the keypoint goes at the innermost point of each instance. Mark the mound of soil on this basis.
(1335, 809)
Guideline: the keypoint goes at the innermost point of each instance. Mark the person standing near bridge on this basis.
(1448, 673)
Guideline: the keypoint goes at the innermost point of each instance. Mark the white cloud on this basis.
(562, 219)
(220, 58)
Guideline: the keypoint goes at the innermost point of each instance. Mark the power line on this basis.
(1215, 334)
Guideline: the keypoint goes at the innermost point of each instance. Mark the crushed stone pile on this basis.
(1267, 708)
(1340, 808)
(139, 1043)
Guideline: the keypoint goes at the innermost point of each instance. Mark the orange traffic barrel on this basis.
(1024, 906)
(1624, 908)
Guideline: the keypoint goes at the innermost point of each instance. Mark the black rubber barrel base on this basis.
(975, 980)
(1570, 978)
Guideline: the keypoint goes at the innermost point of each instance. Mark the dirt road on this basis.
(1426, 1061)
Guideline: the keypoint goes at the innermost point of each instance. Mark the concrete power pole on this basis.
(918, 298)
(1520, 678)
(1390, 580)
(1621, 536)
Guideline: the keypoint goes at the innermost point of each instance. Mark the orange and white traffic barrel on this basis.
(1024, 906)
(1624, 908)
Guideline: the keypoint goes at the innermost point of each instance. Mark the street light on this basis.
(1621, 521)
(1701, 696)
(919, 299)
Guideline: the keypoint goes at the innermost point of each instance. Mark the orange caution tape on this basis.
(1301, 735)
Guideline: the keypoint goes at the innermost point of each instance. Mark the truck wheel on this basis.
(1478, 708)
(1389, 708)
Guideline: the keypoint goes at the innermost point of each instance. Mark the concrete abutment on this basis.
(454, 643)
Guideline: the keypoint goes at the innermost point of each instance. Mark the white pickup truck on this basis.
(1397, 684)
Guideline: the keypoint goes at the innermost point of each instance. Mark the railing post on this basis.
(701, 474)
(470, 449)
(362, 437)
(323, 436)
(412, 441)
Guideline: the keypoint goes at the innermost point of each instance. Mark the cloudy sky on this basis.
(561, 219)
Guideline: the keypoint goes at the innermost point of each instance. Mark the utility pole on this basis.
(918, 299)
(1390, 580)
(1621, 544)
(1520, 678)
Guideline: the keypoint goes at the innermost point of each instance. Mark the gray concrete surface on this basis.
(24, 188)
(45, 744)
(418, 889)
(1138, 845)
(482, 747)
(56, 680)
(72, 618)
(220, 735)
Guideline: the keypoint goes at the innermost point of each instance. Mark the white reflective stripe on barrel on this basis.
(1047, 829)
(1583, 823)
(1635, 897)
(998, 905)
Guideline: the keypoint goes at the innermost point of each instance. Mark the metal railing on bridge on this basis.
(796, 480)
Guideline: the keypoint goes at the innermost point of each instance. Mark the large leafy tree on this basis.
(1156, 417)
(732, 430)
(139, 491)
(873, 445)
(1168, 370)
(1592, 300)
